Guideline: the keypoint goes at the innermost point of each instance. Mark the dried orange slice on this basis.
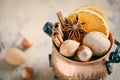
(94, 19)
(94, 9)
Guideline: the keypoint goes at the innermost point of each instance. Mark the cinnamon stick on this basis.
(61, 18)
(57, 28)
(58, 35)
(60, 38)
(56, 40)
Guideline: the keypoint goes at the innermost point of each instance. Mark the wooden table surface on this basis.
(29, 16)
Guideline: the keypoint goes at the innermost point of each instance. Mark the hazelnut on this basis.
(27, 73)
(26, 43)
(84, 53)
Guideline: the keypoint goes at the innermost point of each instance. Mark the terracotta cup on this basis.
(67, 69)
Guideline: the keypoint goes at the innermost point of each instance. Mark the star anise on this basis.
(74, 29)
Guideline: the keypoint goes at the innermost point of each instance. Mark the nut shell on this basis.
(15, 56)
(27, 73)
(69, 47)
(84, 53)
(98, 42)
(26, 43)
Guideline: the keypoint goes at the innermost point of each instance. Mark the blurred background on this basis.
(29, 16)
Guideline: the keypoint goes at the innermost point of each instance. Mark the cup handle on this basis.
(48, 28)
(113, 58)
(49, 57)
